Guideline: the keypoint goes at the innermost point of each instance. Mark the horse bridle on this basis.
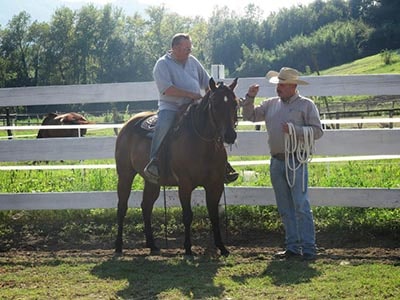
(212, 115)
(215, 138)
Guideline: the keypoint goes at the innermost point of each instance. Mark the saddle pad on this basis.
(149, 123)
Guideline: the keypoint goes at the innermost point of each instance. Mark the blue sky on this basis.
(42, 10)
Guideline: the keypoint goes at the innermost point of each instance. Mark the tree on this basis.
(331, 45)
(224, 40)
(86, 36)
(93, 45)
(15, 49)
(110, 48)
(61, 54)
(137, 62)
(39, 36)
(255, 63)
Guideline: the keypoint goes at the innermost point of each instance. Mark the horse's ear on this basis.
(212, 84)
(233, 84)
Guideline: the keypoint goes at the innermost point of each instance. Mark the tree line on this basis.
(104, 45)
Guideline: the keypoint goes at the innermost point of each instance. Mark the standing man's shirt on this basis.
(298, 110)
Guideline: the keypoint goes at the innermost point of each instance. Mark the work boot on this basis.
(287, 254)
(309, 256)
(151, 171)
(230, 174)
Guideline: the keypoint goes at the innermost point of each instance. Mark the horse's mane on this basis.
(196, 109)
(193, 113)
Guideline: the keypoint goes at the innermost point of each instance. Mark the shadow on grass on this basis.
(290, 272)
(150, 276)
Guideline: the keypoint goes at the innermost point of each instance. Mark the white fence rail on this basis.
(249, 143)
(144, 91)
(335, 142)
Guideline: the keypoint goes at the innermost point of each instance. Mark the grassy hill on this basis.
(368, 65)
(374, 64)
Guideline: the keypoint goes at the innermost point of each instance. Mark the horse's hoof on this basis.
(188, 257)
(225, 253)
(117, 254)
(189, 253)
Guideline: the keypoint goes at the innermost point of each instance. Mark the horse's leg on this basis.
(213, 195)
(125, 179)
(150, 195)
(187, 216)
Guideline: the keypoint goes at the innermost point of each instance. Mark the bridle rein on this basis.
(212, 115)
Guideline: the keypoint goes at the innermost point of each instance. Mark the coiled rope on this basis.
(298, 150)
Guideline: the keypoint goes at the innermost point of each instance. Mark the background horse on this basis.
(193, 156)
(70, 118)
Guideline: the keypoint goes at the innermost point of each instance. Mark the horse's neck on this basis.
(203, 123)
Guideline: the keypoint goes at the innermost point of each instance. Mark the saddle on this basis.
(148, 124)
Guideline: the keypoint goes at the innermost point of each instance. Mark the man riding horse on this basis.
(179, 77)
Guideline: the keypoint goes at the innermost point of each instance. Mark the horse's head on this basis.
(223, 106)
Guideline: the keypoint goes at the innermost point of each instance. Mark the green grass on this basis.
(373, 173)
(92, 228)
(68, 254)
(98, 275)
(369, 65)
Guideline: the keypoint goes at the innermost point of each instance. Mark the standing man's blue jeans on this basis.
(294, 207)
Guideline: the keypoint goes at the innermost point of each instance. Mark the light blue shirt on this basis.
(190, 76)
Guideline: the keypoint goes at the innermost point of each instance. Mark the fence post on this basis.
(337, 118)
(8, 120)
(218, 72)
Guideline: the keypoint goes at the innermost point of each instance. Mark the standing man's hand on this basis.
(285, 127)
(253, 90)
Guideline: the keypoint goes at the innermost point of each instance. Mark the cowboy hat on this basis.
(285, 76)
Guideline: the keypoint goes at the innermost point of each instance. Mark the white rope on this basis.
(298, 150)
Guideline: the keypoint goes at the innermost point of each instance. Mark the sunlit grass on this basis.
(369, 65)
(373, 173)
(95, 275)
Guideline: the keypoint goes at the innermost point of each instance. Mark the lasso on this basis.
(300, 151)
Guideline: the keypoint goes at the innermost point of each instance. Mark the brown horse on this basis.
(194, 156)
(70, 118)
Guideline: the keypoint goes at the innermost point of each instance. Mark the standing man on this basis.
(291, 120)
(180, 79)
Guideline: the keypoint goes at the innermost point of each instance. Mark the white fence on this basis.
(358, 142)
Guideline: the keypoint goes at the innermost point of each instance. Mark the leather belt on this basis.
(279, 156)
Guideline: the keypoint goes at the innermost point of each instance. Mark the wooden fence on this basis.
(355, 142)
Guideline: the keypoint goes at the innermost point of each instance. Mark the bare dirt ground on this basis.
(257, 245)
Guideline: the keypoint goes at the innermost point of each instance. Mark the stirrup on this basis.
(151, 172)
(231, 177)
(230, 174)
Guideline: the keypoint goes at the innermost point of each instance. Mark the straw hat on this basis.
(285, 76)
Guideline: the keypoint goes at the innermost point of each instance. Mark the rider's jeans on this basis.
(165, 121)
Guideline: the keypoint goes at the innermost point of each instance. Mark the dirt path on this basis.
(250, 245)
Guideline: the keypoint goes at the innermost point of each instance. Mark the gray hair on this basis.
(179, 37)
